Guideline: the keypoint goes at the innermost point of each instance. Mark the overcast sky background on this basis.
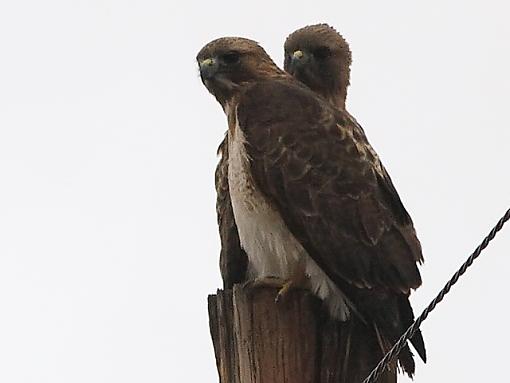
(108, 239)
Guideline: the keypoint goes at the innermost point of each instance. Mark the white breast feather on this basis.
(271, 248)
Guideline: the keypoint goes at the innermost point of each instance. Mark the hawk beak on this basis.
(208, 68)
(297, 61)
(297, 55)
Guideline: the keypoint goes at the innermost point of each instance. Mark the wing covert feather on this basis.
(336, 199)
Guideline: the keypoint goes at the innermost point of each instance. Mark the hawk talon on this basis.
(284, 291)
(263, 282)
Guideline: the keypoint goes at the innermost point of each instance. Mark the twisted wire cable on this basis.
(397, 347)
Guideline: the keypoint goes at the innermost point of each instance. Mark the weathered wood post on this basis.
(257, 340)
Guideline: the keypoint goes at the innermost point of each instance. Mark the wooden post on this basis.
(257, 340)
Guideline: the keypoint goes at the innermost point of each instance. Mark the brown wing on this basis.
(233, 259)
(386, 182)
(330, 193)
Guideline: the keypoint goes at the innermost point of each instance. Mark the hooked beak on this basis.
(297, 60)
(297, 55)
(208, 68)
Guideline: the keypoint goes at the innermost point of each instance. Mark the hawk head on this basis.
(319, 57)
(229, 64)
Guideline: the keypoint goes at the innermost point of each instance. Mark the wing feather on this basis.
(330, 188)
(233, 259)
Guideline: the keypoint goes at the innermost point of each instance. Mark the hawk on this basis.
(320, 57)
(323, 80)
(307, 196)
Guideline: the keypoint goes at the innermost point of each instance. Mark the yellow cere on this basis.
(298, 54)
(207, 62)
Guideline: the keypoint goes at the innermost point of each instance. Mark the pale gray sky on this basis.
(108, 239)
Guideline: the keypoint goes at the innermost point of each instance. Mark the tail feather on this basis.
(356, 346)
(382, 316)
(391, 314)
(406, 361)
(405, 357)
(419, 346)
(407, 315)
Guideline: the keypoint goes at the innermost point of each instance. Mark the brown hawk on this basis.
(308, 194)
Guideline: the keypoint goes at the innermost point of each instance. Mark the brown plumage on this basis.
(327, 73)
(322, 62)
(233, 259)
(304, 158)
(314, 166)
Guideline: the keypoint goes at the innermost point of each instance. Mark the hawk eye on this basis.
(322, 53)
(231, 58)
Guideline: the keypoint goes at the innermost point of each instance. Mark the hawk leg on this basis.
(298, 280)
(264, 282)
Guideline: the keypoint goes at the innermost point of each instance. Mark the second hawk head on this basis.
(319, 57)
